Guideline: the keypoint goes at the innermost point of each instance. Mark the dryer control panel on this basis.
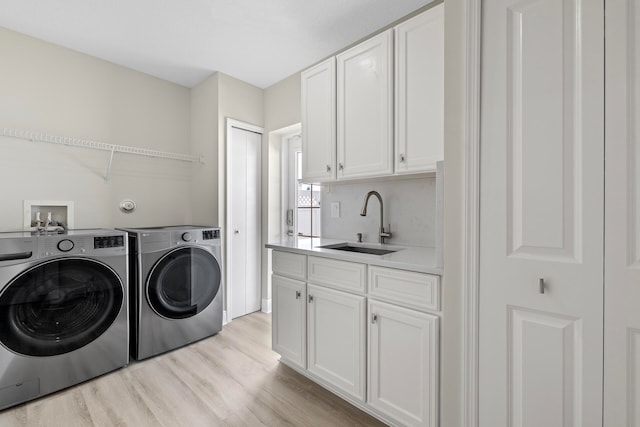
(210, 234)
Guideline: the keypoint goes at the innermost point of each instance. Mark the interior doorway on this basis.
(302, 200)
(244, 212)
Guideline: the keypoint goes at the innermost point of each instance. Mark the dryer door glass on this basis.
(59, 306)
(183, 283)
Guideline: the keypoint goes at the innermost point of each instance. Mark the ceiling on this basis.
(184, 41)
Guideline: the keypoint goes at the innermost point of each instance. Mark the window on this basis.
(307, 203)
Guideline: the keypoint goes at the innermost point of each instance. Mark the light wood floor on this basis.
(231, 379)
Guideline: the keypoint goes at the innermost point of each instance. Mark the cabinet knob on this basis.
(374, 318)
(236, 231)
(298, 294)
(401, 157)
(328, 168)
(340, 166)
(541, 285)
(310, 298)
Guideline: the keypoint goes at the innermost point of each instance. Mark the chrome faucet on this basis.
(383, 234)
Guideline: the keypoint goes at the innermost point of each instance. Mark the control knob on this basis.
(65, 245)
(186, 237)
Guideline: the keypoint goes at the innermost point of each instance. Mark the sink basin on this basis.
(360, 249)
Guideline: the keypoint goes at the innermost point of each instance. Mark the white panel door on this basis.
(337, 338)
(622, 213)
(419, 94)
(289, 319)
(244, 219)
(319, 122)
(403, 364)
(541, 226)
(365, 108)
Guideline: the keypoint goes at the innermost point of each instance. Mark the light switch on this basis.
(335, 210)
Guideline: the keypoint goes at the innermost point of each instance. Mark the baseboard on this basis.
(266, 305)
(224, 317)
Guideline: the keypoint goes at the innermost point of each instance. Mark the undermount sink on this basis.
(360, 249)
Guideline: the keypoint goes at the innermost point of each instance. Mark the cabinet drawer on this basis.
(288, 264)
(350, 276)
(416, 290)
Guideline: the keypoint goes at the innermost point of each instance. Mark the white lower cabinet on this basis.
(336, 338)
(289, 319)
(403, 364)
(378, 355)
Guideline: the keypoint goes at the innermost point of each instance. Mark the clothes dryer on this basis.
(176, 276)
(63, 310)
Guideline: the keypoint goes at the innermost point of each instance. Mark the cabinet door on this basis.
(365, 119)
(319, 122)
(419, 92)
(289, 319)
(337, 339)
(541, 213)
(403, 364)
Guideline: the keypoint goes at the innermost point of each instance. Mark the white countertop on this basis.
(412, 258)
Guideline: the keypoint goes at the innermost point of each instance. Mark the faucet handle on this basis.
(386, 234)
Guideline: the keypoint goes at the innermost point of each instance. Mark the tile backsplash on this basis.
(409, 206)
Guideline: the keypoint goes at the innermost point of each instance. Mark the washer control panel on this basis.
(101, 242)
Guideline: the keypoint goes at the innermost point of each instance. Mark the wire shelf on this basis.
(96, 145)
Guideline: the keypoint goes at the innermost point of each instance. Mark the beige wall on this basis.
(451, 338)
(281, 117)
(204, 141)
(282, 104)
(51, 89)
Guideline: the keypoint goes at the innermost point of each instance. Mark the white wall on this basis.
(55, 90)
(409, 206)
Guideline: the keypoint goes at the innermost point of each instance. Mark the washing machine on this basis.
(176, 278)
(63, 310)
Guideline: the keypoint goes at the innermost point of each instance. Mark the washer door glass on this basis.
(59, 306)
(183, 283)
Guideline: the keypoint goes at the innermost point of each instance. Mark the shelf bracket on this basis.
(108, 174)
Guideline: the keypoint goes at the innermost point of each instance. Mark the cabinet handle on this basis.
(310, 298)
(374, 318)
(401, 157)
(541, 285)
(328, 168)
(298, 294)
(340, 166)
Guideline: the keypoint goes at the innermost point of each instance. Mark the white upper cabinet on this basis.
(349, 129)
(365, 109)
(319, 122)
(419, 94)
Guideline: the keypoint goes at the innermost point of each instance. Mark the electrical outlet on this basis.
(335, 210)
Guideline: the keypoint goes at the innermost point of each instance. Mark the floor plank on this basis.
(232, 379)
